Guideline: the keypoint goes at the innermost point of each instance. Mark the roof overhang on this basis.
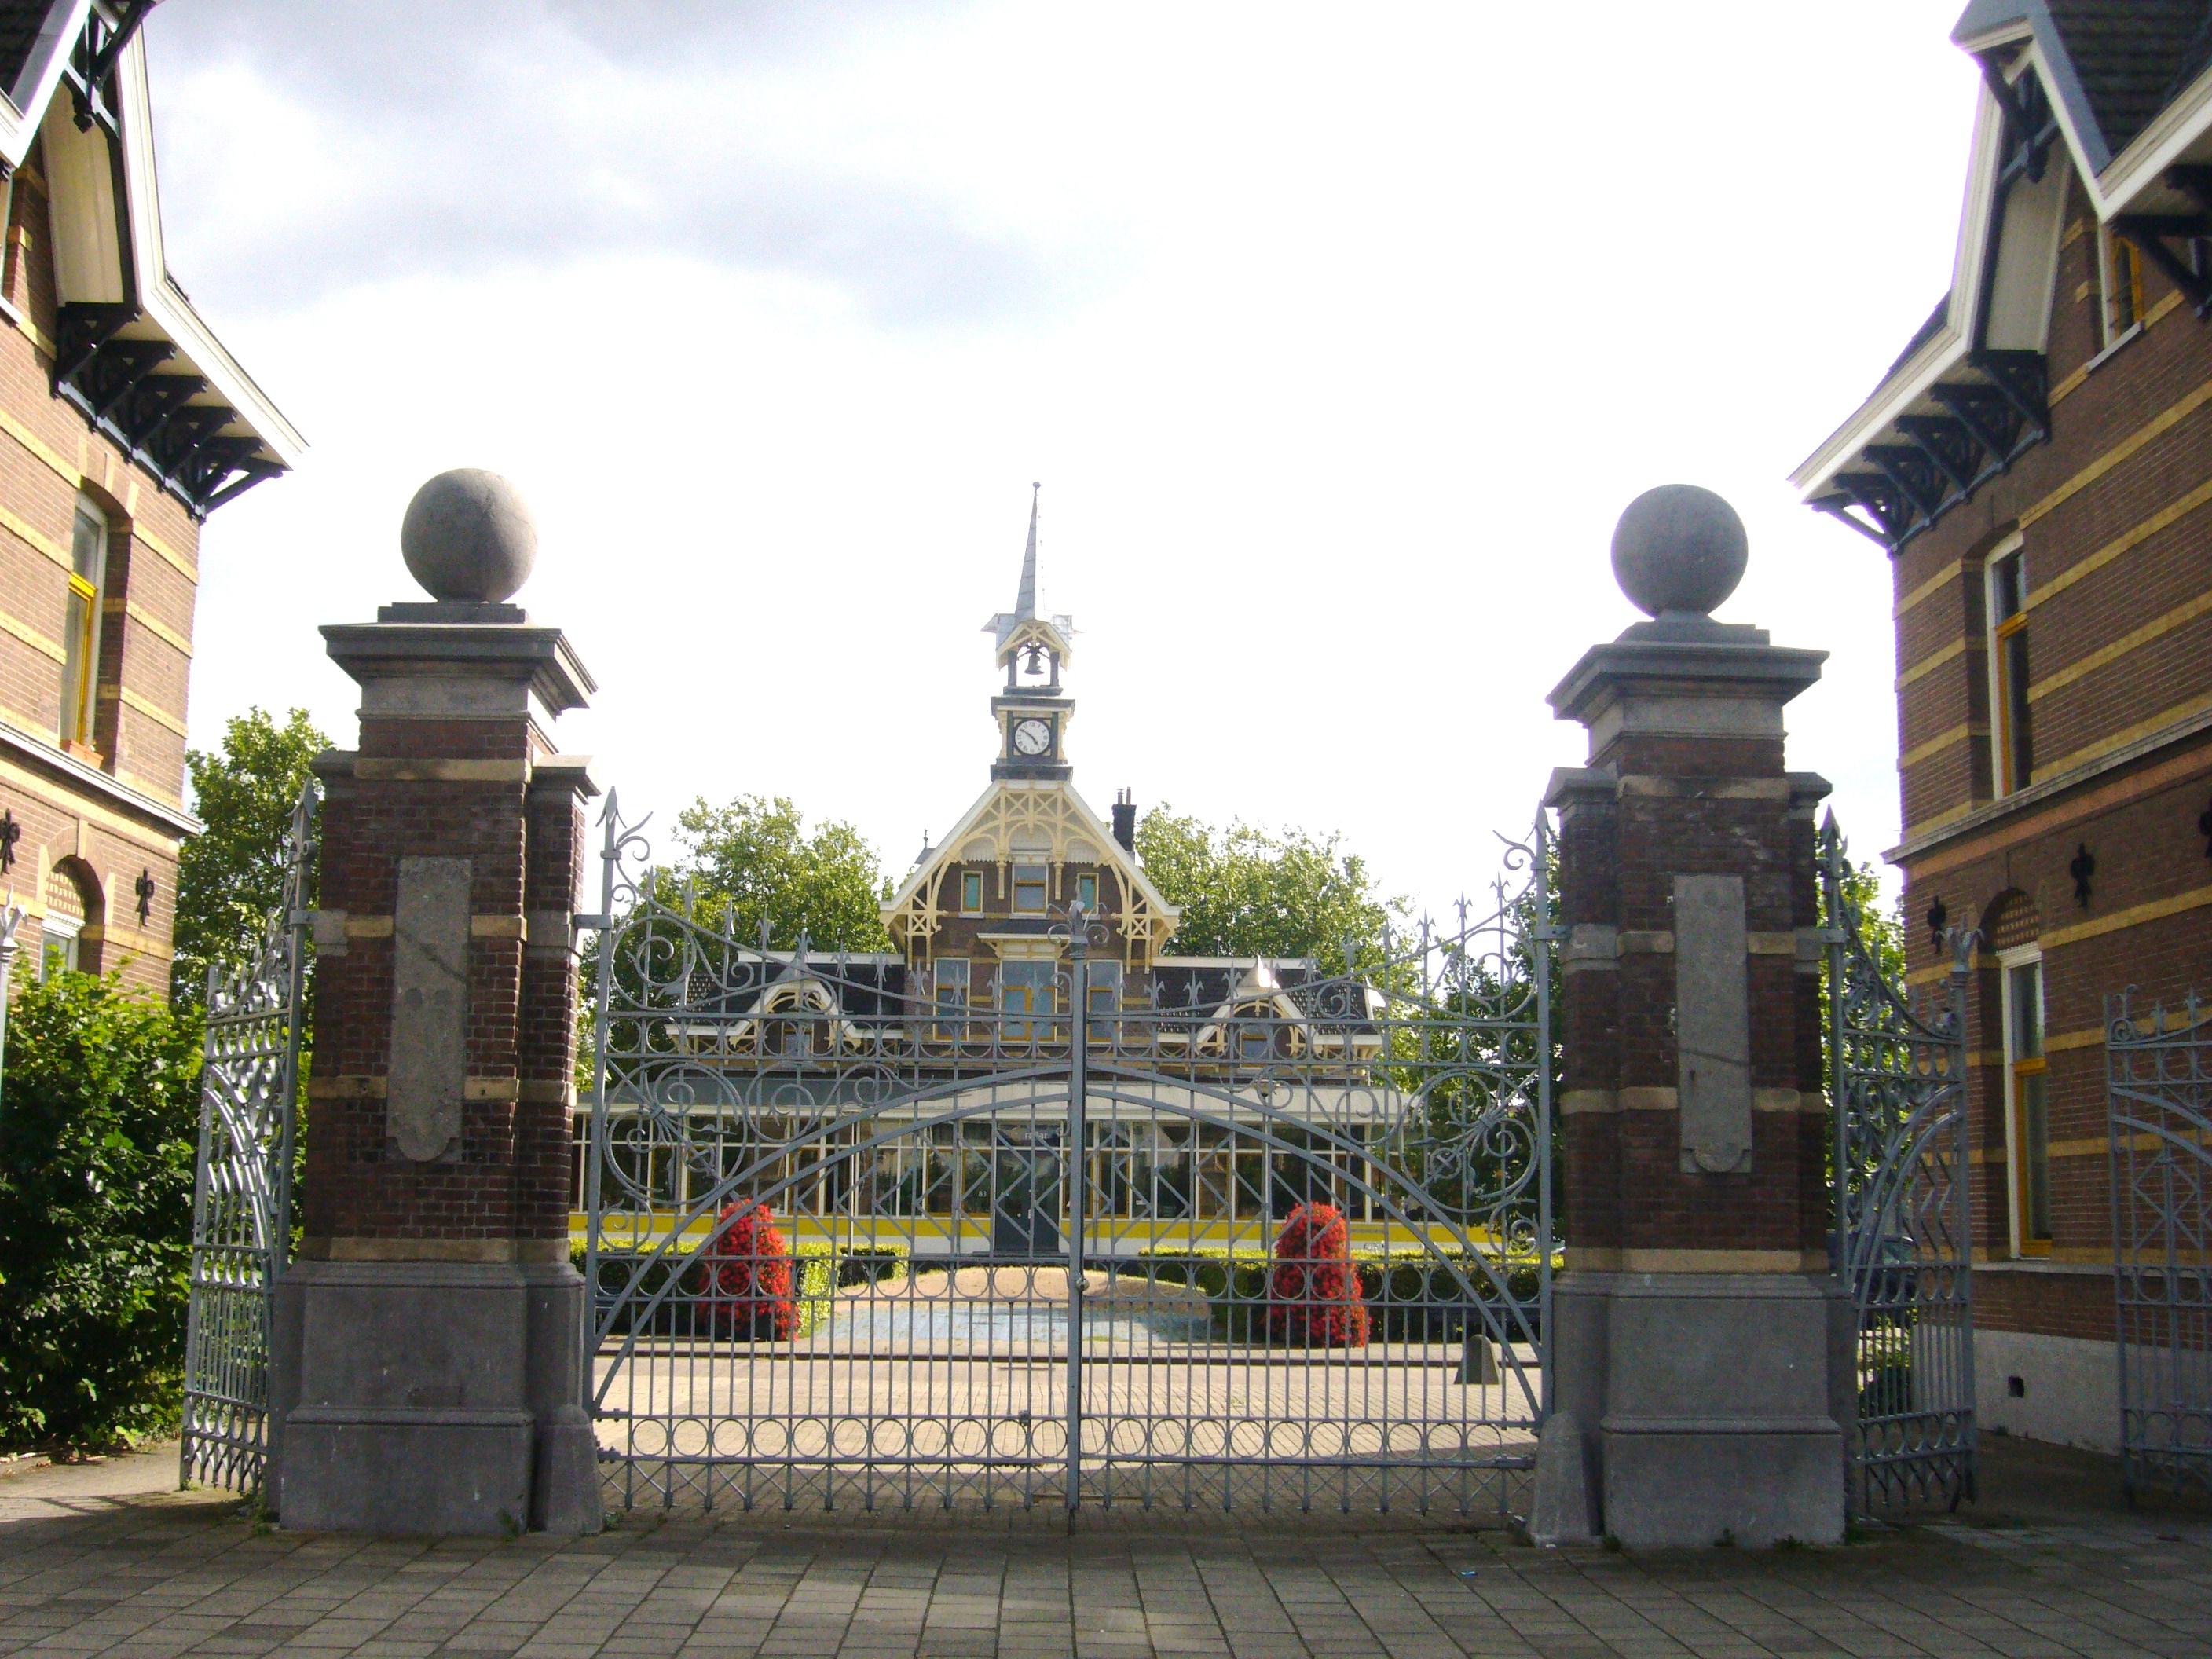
(133, 355)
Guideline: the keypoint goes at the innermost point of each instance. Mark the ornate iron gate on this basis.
(858, 1240)
(1904, 1245)
(2158, 1090)
(242, 1193)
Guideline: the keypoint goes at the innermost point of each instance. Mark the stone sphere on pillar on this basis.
(468, 536)
(1679, 549)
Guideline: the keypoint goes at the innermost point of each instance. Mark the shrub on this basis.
(99, 1125)
(1313, 1294)
(748, 1268)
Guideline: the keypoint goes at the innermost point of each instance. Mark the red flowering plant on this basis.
(749, 1275)
(1313, 1290)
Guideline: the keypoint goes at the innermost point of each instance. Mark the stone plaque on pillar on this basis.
(1712, 1024)
(429, 1007)
(1699, 1342)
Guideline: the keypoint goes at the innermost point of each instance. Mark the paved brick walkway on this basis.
(93, 1562)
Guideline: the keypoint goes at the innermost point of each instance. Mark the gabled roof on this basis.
(1037, 809)
(134, 354)
(2115, 64)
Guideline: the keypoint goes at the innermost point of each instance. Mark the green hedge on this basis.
(99, 1130)
(819, 1270)
(1412, 1296)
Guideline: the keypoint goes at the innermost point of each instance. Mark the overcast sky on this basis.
(1339, 337)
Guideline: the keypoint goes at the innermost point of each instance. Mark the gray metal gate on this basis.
(242, 1193)
(1904, 1244)
(2159, 1092)
(854, 1242)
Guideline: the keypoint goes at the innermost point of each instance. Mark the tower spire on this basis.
(1025, 600)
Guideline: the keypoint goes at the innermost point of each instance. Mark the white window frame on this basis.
(2019, 956)
(55, 927)
(2002, 782)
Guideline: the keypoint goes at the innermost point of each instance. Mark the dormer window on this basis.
(2012, 735)
(1030, 886)
(2122, 279)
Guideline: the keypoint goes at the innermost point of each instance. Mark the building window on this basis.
(2027, 1102)
(1102, 989)
(2011, 730)
(80, 642)
(952, 981)
(1025, 988)
(58, 945)
(2123, 279)
(971, 892)
(1029, 889)
(1086, 893)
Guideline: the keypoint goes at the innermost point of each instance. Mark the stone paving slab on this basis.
(93, 1566)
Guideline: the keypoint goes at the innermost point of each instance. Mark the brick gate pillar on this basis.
(429, 1338)
(1696, 1332)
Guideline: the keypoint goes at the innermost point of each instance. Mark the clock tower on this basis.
(1032, 712)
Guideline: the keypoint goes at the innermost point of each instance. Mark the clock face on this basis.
(1032, 737)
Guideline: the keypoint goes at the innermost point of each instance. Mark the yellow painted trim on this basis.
(163, 549)
(2067, 1040)
(1940, 741)
(2134, 913)
(2066, 388)
(864, 1231)
(31, 637)
(2119, 544)
(158, 715)
(1949, 574)
(1929, 665)
(2163, 306)
(2156, 427)
(2082, 756)
(160, 630)
(32, 442)
(2074, 233)
(2120, 647)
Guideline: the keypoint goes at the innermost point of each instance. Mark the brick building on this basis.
(2038, 468)
(123, 424)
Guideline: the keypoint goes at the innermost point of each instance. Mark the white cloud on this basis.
(1338, 340)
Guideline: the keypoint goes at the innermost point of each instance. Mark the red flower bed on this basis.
(1313, 1290)
(749, 1275)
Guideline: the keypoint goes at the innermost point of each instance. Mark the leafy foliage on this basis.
(1313, 1295)
(1246, 893)
(231, 876)
(754, 861)
(98, 1131)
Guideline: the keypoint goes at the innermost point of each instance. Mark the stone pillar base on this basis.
(433, 1397)
(1708, 1405)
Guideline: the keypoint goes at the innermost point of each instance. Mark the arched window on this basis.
(73, 903)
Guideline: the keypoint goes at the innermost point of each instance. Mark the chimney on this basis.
(1125, 819)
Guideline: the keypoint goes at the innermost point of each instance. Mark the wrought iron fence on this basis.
(1903, 1244)
(242, 1191)
(2159, 1093)
(1238, 1233)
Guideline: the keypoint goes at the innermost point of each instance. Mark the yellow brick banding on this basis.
(31, 637)
(2193, 899)
(1935, 583)
(2119, 544)
(2088, 752)
(2098, 659)
(2156, 427)
(1929, 665)
(159, 715)
(159, 629)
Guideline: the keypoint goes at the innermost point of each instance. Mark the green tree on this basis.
(231, 876)
(754, 860)
(98, 1129)
(1246, 891)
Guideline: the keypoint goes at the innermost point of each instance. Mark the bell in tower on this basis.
(1031, 712)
